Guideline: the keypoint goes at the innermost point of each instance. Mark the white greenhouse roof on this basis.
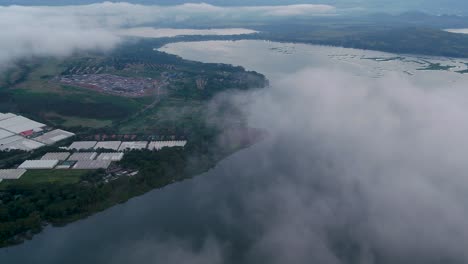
(22, 144)
(6, 116)
(83, 156)
(115, 156)
(83, 145)
(38, 164)
(114, 145)
(9, 140)
(56, 156)
(19, 124)
(11, 174)
(5, 134)
(91, 164)
(133, 145)
(157, 145)
(54, 136)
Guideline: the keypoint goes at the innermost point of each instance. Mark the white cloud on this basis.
(382, 163)
(150, 32)
(354, 170)
(458, 30)
(59, 31)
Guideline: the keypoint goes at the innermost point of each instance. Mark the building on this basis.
(133, 145)
(8, 140)
(54, 136)
(16, 133)
(157, 145)
(19, 143)
(38, 164)
(11, 174)
(91, 164)
(115, 156)
(5, 134)
(6, 116)
(56, 156)
(114, 145)
(83, 156)
(19, 124)
(82, 145)
(67, 164)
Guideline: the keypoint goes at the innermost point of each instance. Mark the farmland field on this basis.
(33, 177)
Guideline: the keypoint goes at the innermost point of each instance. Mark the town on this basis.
(113, 84)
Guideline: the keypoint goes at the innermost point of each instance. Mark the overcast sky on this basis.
(432, 6)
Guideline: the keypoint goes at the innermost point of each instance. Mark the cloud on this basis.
(60, 31)
(372, 171)
(458, 30)
(150, 32)
(354, 170)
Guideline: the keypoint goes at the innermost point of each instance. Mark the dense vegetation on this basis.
(408, 33)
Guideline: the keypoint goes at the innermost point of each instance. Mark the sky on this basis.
(431, 6)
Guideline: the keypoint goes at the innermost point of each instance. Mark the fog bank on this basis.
(61, 30)
(354, 170)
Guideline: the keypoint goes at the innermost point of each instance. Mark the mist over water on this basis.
(355, 169)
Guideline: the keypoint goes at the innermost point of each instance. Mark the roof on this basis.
(83, 156)
(54, 136)
(157, 145)
(91, 164)
(6, 116)
(5, 134)
(38, 164)
(11, 174)
(83, 145)
(22, 144)
(27, 133)
(63, 167)
(8, 140)
(19, 124)
(128, 145)
(114, 156)
(56, 156)
(114, 145)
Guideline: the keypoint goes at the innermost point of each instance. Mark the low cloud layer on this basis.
(458, 30)
(149, 32)
(60, 31)
(354, 170)
(359, 171)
